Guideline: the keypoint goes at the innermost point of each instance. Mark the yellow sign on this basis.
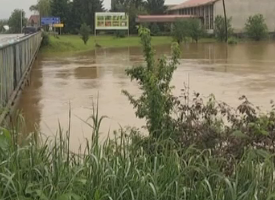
(111, 21)
(58, 25)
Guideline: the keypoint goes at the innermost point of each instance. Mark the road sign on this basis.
(58, 25)
(50, 20)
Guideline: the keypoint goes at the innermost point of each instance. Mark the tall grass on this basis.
(128, 167)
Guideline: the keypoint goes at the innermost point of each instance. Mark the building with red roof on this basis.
(34, 20)
(238, 10)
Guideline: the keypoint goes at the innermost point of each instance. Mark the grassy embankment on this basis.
(73, 43)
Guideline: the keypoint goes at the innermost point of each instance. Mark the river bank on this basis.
(73, 43)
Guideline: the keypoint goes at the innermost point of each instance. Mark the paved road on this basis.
(7, 38)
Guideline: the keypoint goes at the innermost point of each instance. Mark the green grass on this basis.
(128, 168)
(73, 43)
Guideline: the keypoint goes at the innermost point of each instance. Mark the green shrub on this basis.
(220, 29)
(45, 39)
(232, 40)
(155, 30)
(196, 30)
(180, 31)
(120, 34)
(155, 103)
(85, 32)
(256, 27)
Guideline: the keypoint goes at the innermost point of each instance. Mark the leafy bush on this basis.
(120, 34)
(256, 27)
(220, 29)
(45, 39)
(85, 32)
(232, 40)
(180, 31)
(196, 30)
(156, 102)
(155, 30)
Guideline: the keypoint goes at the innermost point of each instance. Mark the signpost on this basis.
(111, 21)
(58, 26)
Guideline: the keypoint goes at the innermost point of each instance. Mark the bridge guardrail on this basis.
(15, 60)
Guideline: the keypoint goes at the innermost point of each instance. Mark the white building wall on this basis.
(240, 10)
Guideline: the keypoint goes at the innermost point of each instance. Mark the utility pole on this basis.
(225, 21)
(21, 21)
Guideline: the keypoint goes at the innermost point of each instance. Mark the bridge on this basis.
(17, 55)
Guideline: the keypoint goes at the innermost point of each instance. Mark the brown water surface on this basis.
(60, 83)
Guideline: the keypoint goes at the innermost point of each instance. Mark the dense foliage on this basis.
(196, 29)
(256, 27)
(180, 31)
(220, 29)
(85, 32)
(191, 28)
(45, 39)
(62, 9)
(43, 7)
(72, 13)
(156, 7)
(155, 30)
(15, 20)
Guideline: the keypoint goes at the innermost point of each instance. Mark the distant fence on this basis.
(15, 62)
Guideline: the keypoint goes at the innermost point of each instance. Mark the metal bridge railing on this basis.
(15, 60)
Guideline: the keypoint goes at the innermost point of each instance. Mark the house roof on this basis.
(162, 18)
(193, 3)
(34, 18)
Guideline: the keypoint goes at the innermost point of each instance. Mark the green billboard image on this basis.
(111, 21)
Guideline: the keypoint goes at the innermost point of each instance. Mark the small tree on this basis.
(196, 30)
(156, 102)
(220, 29)
(15, 21)
(155, 30)
(180, 31)
(256, 27)
(85, 32)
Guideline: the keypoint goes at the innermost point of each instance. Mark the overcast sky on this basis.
(7, 6)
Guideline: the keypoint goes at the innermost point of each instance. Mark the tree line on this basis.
(77, 12)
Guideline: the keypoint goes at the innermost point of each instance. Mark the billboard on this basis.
(50, 20)
(111, 21)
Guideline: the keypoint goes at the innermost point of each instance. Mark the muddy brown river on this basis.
(74, 82)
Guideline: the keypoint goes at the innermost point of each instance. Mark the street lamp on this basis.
(21, 21)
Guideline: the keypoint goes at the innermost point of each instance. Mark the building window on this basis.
(211, 17)
(208, 13)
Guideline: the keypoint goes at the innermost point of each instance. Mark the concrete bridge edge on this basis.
(17, 92)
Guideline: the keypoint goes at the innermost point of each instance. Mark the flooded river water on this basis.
(60, 83)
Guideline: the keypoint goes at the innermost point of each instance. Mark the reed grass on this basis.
(128, 167)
